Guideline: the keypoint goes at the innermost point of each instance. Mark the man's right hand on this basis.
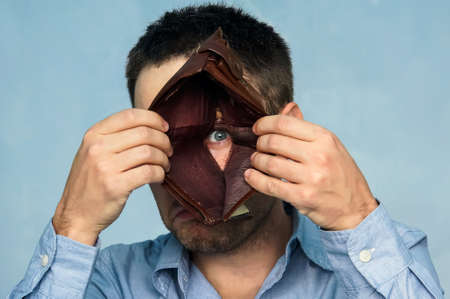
(117, 155)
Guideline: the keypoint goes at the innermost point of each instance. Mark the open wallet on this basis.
(209, 93)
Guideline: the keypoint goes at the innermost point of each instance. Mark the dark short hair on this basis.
(179, 32)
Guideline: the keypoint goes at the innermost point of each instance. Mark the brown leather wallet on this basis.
(209, 93)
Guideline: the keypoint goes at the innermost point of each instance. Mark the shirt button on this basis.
(44, 260)
(366, 255)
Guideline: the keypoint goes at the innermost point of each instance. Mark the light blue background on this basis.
(374, 72)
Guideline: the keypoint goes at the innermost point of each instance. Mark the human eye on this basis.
(218, 136)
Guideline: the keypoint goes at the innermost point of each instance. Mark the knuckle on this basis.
(159, 138)
(102, 168)
(147, 171)
(146, 151)
(88, 136)
(318, 177)
(271, 164)
(94, 150)
(144, 133)
(320, 130)
(259, 143)
(272, 142)
(272, 187)
(322, 159)
(153, 114)
(159, 174)
(153, 173)
(130, 115)
(166, 141)
(329, 137)
(307, 194)
(283, 123)
(165, 159)
(110, 186)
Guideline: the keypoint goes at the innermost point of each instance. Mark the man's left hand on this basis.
(321, 179)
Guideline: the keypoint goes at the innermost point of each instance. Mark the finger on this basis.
(268, 185)
(141, 135)
(143, 154)
(279, 167)
(287, 147)
(288, 126)
(139, 176)
(130, 118)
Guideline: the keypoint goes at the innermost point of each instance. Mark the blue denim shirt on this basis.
(380, 258)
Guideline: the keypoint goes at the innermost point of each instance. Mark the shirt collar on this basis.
(307, 233)
(172, 256)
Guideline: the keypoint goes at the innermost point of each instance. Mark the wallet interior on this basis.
(208, 93)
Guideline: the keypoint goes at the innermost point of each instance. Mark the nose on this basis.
(220, 152)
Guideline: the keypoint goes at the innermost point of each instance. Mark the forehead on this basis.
(152, 78)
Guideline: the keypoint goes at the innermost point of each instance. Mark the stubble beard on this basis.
(227, 236)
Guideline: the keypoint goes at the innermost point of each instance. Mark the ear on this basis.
(292, 109)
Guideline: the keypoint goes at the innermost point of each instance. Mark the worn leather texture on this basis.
(209, 93)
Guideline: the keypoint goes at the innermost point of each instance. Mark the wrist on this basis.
(76, 233)
(365, 204)
(352, 221)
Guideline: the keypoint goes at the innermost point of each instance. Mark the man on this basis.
(316, 233)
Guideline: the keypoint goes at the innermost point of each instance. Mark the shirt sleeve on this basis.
(382, 258)
(59, 268)
(104, 282)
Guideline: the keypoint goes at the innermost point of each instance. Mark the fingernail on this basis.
(166, 126)
(254, 128)
(253, 156)
(247, 173)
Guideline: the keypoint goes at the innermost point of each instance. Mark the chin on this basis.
(220, 238)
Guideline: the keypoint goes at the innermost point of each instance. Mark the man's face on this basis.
(193, 234)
